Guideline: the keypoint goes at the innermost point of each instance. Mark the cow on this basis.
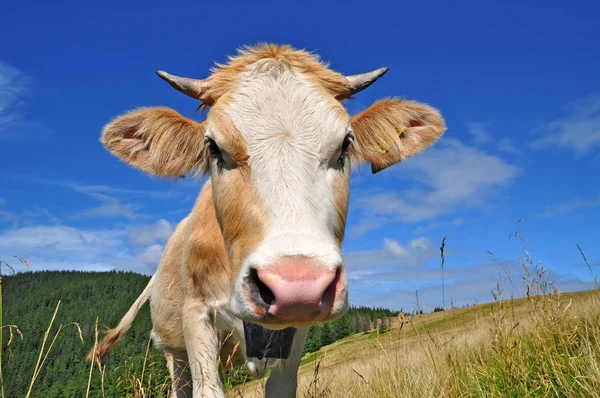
(262, 244)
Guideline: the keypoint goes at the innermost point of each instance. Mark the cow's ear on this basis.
(392, 130)
(158, 141)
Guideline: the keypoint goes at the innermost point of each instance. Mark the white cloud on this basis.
(416, 252)
(506, 145)
(450, 176)
(481, 136)
(111, 207)
(114, 199)
(479, 133)
(9, 217)
(105, 189)
(15, 85)
(365, 225)
(43, 264)
(390, 276)
(394, 247)
(28, 217)
(161, 231)
(59, 247)
(60, 240)
(578, 132)
(396, 289)
(435, 225)
(395, 271)
(568, 207)
(151, 255)
(92, 189)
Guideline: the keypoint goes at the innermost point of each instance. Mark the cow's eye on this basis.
(345, 145)
(215, 152)
(212, 146)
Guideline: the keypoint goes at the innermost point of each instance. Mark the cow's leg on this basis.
(283, 380)
(202, 346)
(181, 382)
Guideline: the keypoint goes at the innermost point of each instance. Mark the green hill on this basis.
(545, 344)
(30, 299)
(29, 303)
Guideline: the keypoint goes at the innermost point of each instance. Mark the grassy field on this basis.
(538, 346)
(545, 344)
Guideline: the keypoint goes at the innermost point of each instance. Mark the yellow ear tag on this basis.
(382, 149)
(401, 130)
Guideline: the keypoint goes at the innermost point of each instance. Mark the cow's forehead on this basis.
(274, 104)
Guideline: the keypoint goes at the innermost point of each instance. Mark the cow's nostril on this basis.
(329, 295)
(265, 293)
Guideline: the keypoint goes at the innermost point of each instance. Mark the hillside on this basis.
(534, 346)
(30, 300)
(542, 346)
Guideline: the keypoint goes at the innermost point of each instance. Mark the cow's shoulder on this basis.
(205, 262)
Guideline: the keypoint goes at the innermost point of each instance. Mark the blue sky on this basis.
(518, 85)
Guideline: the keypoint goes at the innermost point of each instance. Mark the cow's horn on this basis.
(190, 87)
(364, 80)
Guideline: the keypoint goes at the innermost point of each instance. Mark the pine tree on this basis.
(364, 324)
(382, 324)
(312, 340)
(355, 323)
(325, 335)
(30, 302)
(342, 327)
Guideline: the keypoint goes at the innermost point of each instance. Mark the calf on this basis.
(262, 245)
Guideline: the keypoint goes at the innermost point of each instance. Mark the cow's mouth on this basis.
(266, 343)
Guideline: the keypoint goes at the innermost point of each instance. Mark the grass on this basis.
(544, 344)
(313, 356)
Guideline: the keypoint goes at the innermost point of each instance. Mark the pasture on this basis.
(285, 199)
(544, 344)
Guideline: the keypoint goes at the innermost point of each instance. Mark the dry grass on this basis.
(545, 344)
(514, 348)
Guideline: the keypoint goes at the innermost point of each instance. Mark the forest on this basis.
(31, 298)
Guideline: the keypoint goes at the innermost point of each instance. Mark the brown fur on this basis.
(158, 141)
(168, 292)
(377, 130)
(341, 195)
(244, 221)
(195, 265)
(198, 268)
(114, 336)
(204, 260)
(225, 77)
(231, 139)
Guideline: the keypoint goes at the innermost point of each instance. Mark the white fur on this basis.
(293, 138)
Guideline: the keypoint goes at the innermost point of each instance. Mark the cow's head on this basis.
(278, 145)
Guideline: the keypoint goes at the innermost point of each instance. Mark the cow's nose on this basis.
(295, 289)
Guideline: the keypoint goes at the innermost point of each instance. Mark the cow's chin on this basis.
(249, 312)
(284, 325)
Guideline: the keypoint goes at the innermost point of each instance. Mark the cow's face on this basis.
(278, 145)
